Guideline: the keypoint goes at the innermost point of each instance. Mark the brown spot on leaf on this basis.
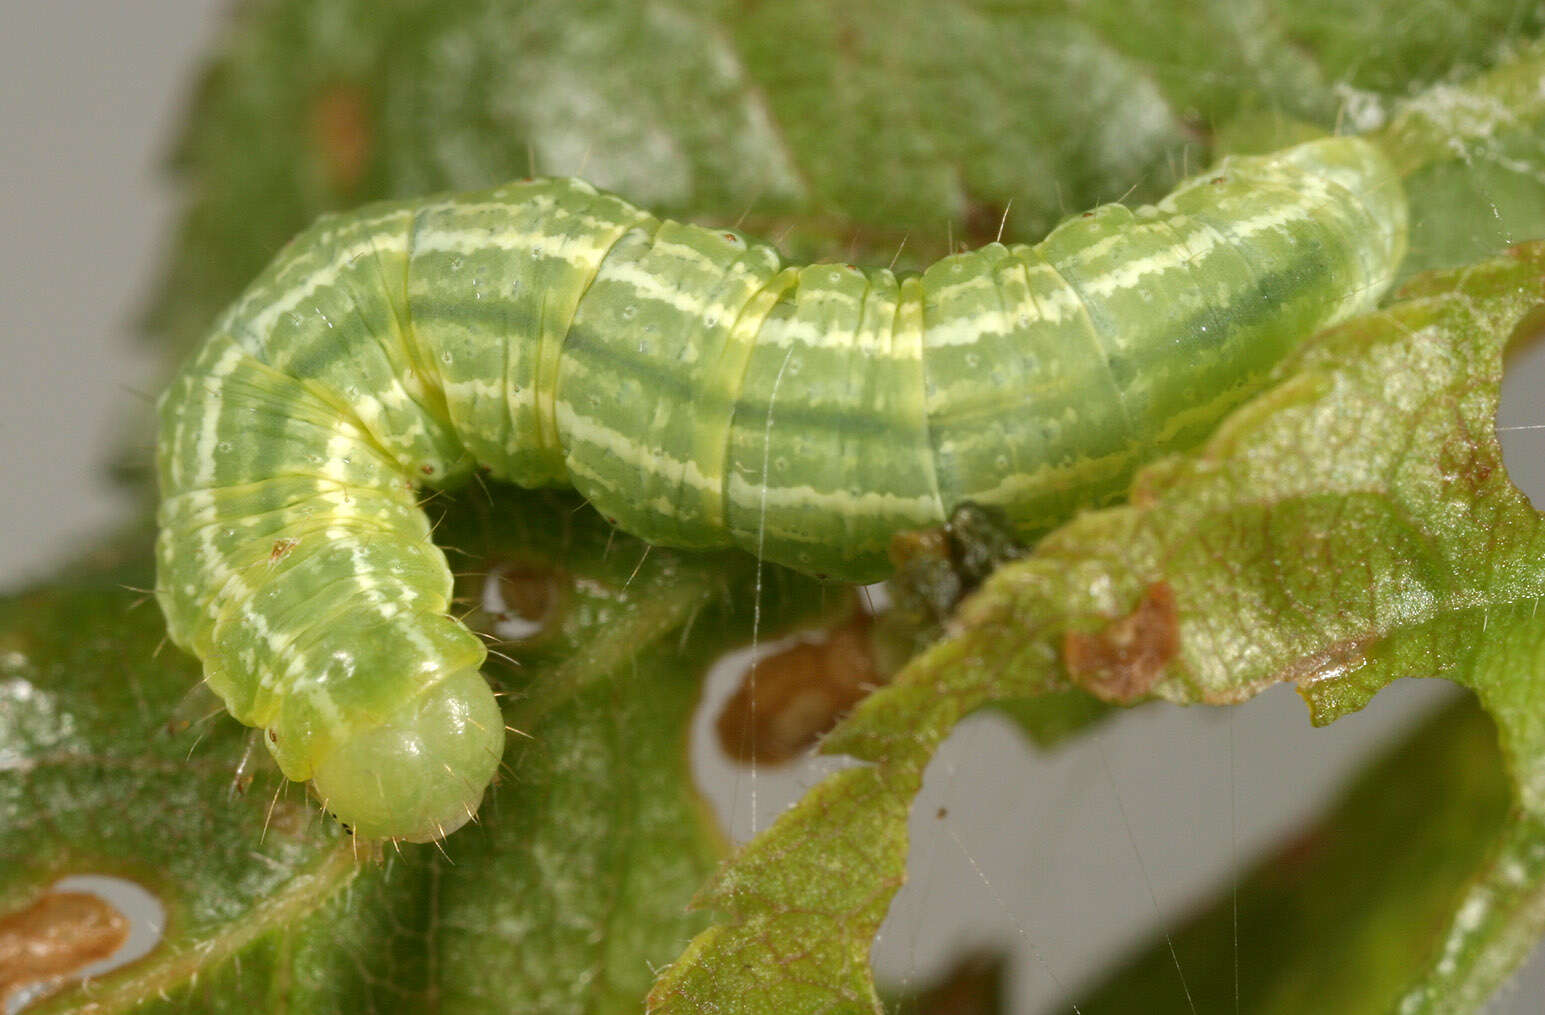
(525, 598)
(1122, 663)
(788, 699)
(340, 129)
(281, 549)
(1468, 459)
(848, 40)
(1331, 663)
(55, 937)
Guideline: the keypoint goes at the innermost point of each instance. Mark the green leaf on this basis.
(1471, 157)
(804, 902)
(91, 781)
(577, 888)
(846, 131)
(569, 891)
(1375, 446)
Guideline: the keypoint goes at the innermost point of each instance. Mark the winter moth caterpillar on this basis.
(697, 391)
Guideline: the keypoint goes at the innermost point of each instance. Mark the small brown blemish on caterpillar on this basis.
(281, 549)
(1121, 663)
(788, 699)
(55, 937)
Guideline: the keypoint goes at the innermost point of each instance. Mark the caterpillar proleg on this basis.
(700, 393)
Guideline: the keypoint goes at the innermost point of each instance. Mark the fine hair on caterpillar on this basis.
(699, 392)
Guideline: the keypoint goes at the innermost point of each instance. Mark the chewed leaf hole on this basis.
(83, 926)
(722, 779)
(788, 697)
(1521, 414)
(523, 599)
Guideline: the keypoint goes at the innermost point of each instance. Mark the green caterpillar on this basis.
(698, 392)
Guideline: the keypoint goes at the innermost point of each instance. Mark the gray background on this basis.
(1067, 856)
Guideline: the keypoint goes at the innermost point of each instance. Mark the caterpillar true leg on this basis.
(699, 392)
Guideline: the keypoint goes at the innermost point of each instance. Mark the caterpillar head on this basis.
(420, 773)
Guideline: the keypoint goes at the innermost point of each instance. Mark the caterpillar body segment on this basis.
(699, 392)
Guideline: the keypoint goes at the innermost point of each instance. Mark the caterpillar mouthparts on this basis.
(420, 773)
